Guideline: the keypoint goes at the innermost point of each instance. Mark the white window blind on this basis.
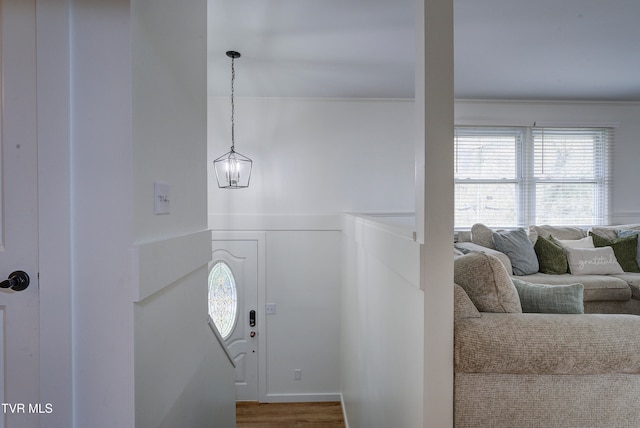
(519, 176)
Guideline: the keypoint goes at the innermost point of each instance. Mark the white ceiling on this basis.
(504, 49)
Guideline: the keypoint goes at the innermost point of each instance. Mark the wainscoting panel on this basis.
(160, 263)
(182, 374)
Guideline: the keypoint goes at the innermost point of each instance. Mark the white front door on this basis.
(239, 259)
(19, 312)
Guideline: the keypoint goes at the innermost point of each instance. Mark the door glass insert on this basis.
(223, 298)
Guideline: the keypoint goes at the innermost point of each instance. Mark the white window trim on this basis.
(526, 180)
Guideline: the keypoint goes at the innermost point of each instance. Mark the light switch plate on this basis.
(162, 201)
(270, 309)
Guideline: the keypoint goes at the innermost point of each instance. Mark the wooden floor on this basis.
(250, 414)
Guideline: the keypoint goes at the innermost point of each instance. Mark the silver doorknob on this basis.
(17, 281)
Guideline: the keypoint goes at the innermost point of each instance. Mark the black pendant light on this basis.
(233, 170)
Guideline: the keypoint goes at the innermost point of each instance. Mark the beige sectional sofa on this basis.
(612, 293)
(516, 369)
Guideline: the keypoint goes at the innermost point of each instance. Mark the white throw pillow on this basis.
(577, 243)
(593, 261)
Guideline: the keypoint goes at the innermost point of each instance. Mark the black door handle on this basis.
(17, 281)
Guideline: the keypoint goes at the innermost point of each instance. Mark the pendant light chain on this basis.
(233, 78)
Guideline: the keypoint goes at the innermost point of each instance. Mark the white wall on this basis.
(383, 340)
(303, 280)
(101, 207)
(316, 156)
(143, 354)
(182, 376)
(168, 66)
(622, 116)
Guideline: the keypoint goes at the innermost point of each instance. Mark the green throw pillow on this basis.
(625, 249)
(551, 256)
(550, 299)
(625, 233)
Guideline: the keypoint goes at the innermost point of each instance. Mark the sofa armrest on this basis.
(547, 344)
(470, 246)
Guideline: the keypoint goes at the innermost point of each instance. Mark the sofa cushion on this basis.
(550, 299)
(610, 232)
(463, 307)
(559, 232)
(593, 261)
(531, 400)
(486, 282)
(633, 280)
(468, 247)
(547, 344)
(464, 236)
(625, 249)
(551, 256)
(596, 287)
(516, 245)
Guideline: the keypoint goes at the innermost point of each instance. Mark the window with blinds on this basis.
(507, 177)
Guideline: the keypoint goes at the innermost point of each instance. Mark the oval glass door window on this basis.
(223, 298)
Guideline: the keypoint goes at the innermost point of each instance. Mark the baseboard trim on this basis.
(344, 411)
(301, 398)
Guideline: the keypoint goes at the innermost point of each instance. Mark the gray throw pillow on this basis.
(550, 299)
(551, 256)
(517, 246)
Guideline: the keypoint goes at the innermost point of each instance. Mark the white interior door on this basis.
(19, 331)
(241, 260)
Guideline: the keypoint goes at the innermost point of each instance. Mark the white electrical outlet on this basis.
(270, 309)
(297, 374)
